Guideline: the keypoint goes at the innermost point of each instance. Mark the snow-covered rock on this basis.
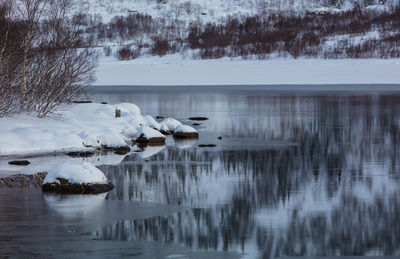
(170, 123)
(149, 135)
(185, 131)
(71, 177)
(150, 122)
(165, 130)
(75, 173)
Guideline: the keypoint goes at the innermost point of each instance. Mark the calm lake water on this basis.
(296, 173)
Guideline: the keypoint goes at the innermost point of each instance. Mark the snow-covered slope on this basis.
(211, 10)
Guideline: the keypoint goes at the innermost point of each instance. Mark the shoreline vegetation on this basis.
(44, 59)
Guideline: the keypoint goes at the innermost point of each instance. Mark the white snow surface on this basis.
(170, 124)
(128, 109)
(78, 127)
(175, 70)
(149, 133)
(75, 173)
(185, 129)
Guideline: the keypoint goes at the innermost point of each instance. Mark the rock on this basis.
(165, 130)
(122, 150)
(81, 153)
(150, 122)
(220, 137)
(207, 145)
(198, 118)
(159, 117)
(186, 135)
(170, 125)
(156, 140)
(185, 131)
(196, 124)
(104, 102)
(75, 177)
(74, 188)
(19, 162)
(82, 101)
(149, 135)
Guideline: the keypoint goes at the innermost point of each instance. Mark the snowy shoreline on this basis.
(173, 70)
(80, 127)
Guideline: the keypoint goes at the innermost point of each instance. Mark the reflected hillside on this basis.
(336, 192)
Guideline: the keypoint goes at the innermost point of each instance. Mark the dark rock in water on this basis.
(143, 139)
(147, 160)
(122, 150)
(81, 153)
(220, 137)
(19, 162)
(198, 118)
(196, 124)
(167, 132)
(73, 188)
(82, 101)
(207, 145)
(104, 102)
(23, 181)
(159, 117)
(186, 135)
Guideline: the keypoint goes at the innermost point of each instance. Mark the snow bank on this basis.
(78, 128)
(78, 173)
(174, 70)
(185, 129)
(128, 109)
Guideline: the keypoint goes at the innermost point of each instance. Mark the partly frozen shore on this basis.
(81, 127)
(173, 70)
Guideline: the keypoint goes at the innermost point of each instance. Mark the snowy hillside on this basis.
(182, 31)
(211, 10)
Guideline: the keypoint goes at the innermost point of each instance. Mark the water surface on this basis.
(296, 173)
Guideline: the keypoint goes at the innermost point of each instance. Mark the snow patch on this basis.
(170, 124)
(128, 109)
(149, 133)
(185, 129)
(78, 173)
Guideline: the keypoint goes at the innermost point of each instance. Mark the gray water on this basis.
(312, 172)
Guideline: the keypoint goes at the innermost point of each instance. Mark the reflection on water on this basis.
(305, 174)
(335, 192)
(74, 206)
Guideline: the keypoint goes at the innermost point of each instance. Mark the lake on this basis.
(295, 171)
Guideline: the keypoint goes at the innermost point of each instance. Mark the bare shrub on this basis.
(160, 47)
(125, 53)
(44, 60)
